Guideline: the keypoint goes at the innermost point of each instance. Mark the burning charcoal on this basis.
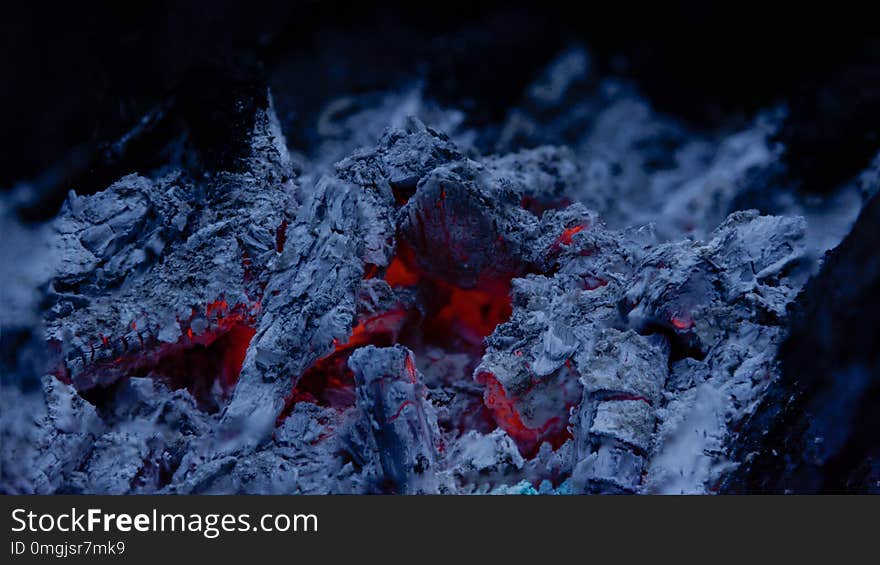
(154, 271)
(392, 398)
(679, 285)
(528, 376)
(311, 300)
(541, 178)
(462, 230)
(593, 309)
(529, 367)
(732, 342)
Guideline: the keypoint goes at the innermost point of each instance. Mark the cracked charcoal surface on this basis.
(593, 304)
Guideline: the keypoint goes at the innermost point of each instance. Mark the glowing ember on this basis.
(400, 272)
(508, 418)
(196, 361)
(567, 236)
(455, 319)
(329, 382)
(399, 411)
(682, 321)
(473, 313)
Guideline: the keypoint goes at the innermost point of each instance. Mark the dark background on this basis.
(78, 75)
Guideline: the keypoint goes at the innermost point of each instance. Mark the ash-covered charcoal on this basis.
(148, 432)
(165, 277)
(404, 428)
(614, 424)
(594, 307)
(567, 349)
(813, 430)
(47, 439)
